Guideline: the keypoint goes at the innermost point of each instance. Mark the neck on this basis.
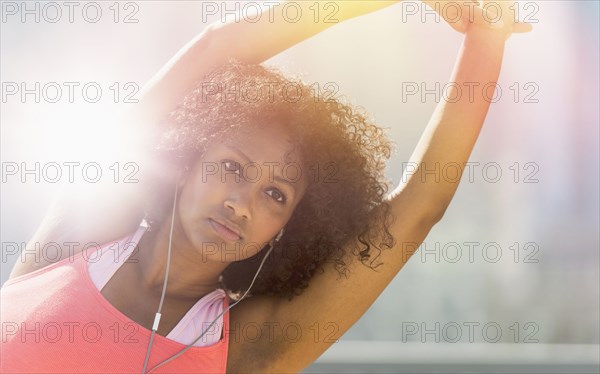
(190, 276)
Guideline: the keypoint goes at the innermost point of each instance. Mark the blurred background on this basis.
(508, 281)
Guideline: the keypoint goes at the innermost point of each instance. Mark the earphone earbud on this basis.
(279, 235)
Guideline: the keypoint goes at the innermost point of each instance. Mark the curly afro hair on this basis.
(343, 150)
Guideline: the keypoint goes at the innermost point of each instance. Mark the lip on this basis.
(226, 230)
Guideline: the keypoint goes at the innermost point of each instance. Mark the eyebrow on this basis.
(276, 177)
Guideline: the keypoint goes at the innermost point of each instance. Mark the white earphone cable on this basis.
(215, 320)
(162, 297)
(164, 289)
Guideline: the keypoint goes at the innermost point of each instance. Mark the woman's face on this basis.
(241, 193)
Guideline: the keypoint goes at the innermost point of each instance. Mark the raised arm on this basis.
(249, 40)
(456, 122)
(332, 304)
(97, 213)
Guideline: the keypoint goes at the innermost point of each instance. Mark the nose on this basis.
(240, 205)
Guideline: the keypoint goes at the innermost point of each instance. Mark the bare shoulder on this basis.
(77, 220)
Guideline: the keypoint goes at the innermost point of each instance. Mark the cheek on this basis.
(186, 209)
(201, 187)
(193, 197)
(269, 224)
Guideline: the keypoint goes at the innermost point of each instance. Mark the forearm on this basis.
(436, 166)
(255, 42)
(250, 41)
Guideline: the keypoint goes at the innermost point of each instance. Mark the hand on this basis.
(498, 15)
(462, 15)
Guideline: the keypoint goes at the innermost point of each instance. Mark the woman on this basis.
(281, 198)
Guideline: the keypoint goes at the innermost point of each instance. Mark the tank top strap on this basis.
(112, 255)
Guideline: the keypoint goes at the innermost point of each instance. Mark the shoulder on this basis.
(264, 336)
(70, 227)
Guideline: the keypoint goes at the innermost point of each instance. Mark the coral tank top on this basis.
(55, 320)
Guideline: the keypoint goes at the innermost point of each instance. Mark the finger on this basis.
(498, 9)
(458, 14)
(521, 27)
(488, 18)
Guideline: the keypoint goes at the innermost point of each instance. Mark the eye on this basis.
(229, 165)
(277, 195)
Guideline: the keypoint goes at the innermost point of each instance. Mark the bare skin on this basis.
(259, 207)
(417, 204)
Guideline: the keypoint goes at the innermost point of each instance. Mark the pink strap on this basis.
(196, 320)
